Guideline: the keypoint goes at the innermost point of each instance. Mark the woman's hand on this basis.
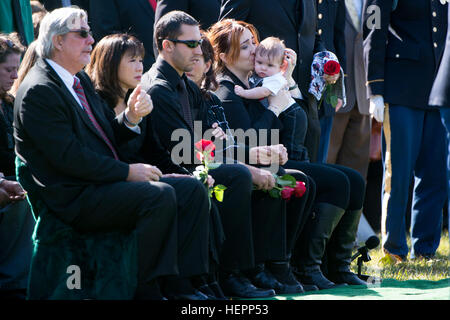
(139, 105)
(267, 155)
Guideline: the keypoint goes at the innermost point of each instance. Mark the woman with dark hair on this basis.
(204, 75)
(16, 219)
(10, 53)
(340, 190)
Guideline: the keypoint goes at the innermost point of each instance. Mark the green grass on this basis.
(418, 269)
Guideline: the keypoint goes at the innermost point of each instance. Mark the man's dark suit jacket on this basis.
(54, 4)
(119, 16)
(440, 95)
(204, 11)
(161, 82)
(403, 53)
(55, 138)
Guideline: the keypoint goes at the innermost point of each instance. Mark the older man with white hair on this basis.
(68, 138)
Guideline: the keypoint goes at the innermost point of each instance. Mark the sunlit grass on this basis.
(418, 269)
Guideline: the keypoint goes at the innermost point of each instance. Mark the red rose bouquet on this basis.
(287, 187)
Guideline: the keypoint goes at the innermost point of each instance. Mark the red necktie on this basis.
(153, 4)
(80, 93)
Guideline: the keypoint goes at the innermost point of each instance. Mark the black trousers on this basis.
(170, 217)
(298, 209)
(332, 185)
(277, 222)
(237, 250)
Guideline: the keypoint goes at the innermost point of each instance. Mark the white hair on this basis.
(58, 22)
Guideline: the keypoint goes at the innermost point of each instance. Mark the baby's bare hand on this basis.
(238, 90)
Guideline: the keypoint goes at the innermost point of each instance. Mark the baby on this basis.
(270, 65)
(267, 80)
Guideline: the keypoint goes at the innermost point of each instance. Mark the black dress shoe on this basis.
(236, 285)
(196, 295)
(306, 287)
(218, 293)
(309, 287)
(206, 290)
(265, 280)
(347, 277)
(282, 271)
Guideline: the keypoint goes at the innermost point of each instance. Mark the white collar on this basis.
(65, 75)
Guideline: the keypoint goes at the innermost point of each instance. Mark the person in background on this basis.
(10, 53)
(440, 97)
(28, 61)
(135, 17)
(51, 5)
(16, 219)
(206, 12)
(330, 24)
(38, 13)
(402, 54)
(15, 16)
(351, 130)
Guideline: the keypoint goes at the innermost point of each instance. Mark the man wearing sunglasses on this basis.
(178, 102)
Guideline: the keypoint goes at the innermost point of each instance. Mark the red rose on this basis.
(200, 155)
(331, 68)
(205, 145)
(286, 193)
(299, 189)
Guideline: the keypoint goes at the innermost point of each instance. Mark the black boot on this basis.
(340, 249)
(312, 243)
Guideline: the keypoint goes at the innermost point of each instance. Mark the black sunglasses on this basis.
(83, 33)
(190, 43)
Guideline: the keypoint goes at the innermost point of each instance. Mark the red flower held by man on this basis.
(204, 146)
(331, 68)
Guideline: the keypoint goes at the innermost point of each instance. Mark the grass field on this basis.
(418, 269)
